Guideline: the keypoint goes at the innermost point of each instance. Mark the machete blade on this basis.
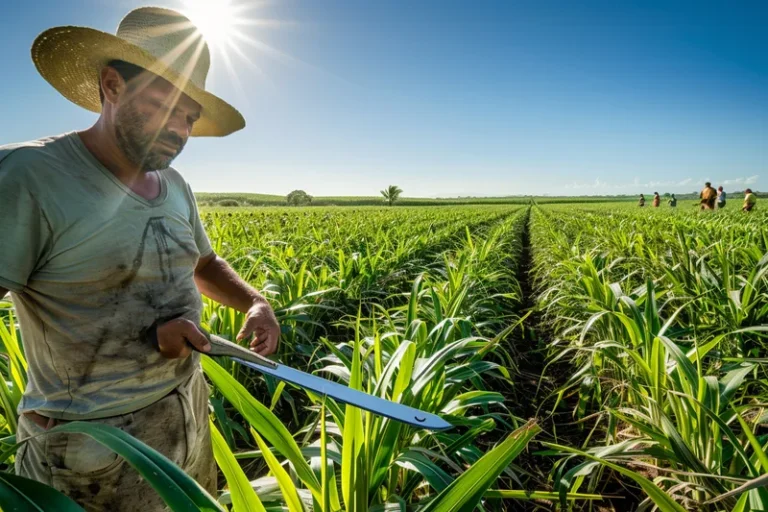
(347, 395)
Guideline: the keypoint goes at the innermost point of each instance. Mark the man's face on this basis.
(153, 123)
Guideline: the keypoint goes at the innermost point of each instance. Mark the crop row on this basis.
(658, 320)
(414, 306)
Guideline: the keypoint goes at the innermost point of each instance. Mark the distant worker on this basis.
(656, 200)
(642, 201)
(749, 201)
(673, 201)
(708, 196)
(720, 197)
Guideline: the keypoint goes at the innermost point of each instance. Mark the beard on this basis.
(138, 145)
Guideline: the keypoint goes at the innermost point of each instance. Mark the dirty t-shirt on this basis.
(91, 265)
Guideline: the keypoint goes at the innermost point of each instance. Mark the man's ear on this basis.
(112, 84)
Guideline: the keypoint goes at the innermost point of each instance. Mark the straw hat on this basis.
(160, 40)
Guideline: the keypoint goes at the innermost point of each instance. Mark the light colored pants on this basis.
(99, 480)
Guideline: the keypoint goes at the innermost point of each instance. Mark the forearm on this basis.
(217, 280)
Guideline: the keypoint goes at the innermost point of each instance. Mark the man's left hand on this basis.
(260, 321)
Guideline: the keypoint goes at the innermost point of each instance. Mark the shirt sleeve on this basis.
(201, 237)
(24, 230)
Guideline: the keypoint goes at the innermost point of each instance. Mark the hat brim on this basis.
(71, 59)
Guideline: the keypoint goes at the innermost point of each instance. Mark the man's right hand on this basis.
(175, 337)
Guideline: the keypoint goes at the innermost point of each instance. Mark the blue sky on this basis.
(454, 97)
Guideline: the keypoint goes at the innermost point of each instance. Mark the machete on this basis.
(340, 393)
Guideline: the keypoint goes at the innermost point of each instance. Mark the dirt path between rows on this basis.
(533, 393)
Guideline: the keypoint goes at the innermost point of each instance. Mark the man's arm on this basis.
(3, 291)
(216, 279)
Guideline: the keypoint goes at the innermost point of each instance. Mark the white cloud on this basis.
(742, 181)
(599, 184)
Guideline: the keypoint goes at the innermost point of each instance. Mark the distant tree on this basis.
(391, 194)
(298, 198)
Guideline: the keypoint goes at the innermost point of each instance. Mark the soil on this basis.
(533, 398)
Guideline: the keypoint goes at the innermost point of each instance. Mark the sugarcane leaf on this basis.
(657, 495)
(464, 493)
(241, 493)
(263, 420)
(177, 489)
(25, 495)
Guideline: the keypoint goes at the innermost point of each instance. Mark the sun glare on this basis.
(216, 19)
(228, 27)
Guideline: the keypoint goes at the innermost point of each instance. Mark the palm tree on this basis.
(391, 194)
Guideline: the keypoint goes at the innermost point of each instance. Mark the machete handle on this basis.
(222, 347)
(219, 347)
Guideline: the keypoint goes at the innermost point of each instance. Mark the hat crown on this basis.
(171, 38)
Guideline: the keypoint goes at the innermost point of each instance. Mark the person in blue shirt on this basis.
(720, 197)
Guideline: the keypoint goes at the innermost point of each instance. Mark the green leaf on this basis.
(398, 505)
(418, 462)
(352, 467)
(508, 494)
(732, 381)
(761, 456)
(244, 498)
(464, 493)
(25, 495)
(657, 495)
(287, 487)
(760, 482)
(264, 421)
(326, 480)
(179, 491)
(741, 505)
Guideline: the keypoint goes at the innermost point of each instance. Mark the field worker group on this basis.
(709, 199)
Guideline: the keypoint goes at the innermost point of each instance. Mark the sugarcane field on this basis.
(461, 257)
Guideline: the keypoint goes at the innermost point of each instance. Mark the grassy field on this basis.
(592, 356)
(207, 199)
(234, 200)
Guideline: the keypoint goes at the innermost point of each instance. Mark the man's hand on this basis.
(217, 280)
(261, 322)
(175, 337)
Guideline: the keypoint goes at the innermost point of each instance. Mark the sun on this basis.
(228, 27)
(217, 20)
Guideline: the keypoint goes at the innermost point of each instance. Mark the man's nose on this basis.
(178, 126)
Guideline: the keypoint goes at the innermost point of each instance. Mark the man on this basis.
(707, 197)
(673, 201)
(720, 197)
(104, 253)
(749, 200)
(641, 202)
